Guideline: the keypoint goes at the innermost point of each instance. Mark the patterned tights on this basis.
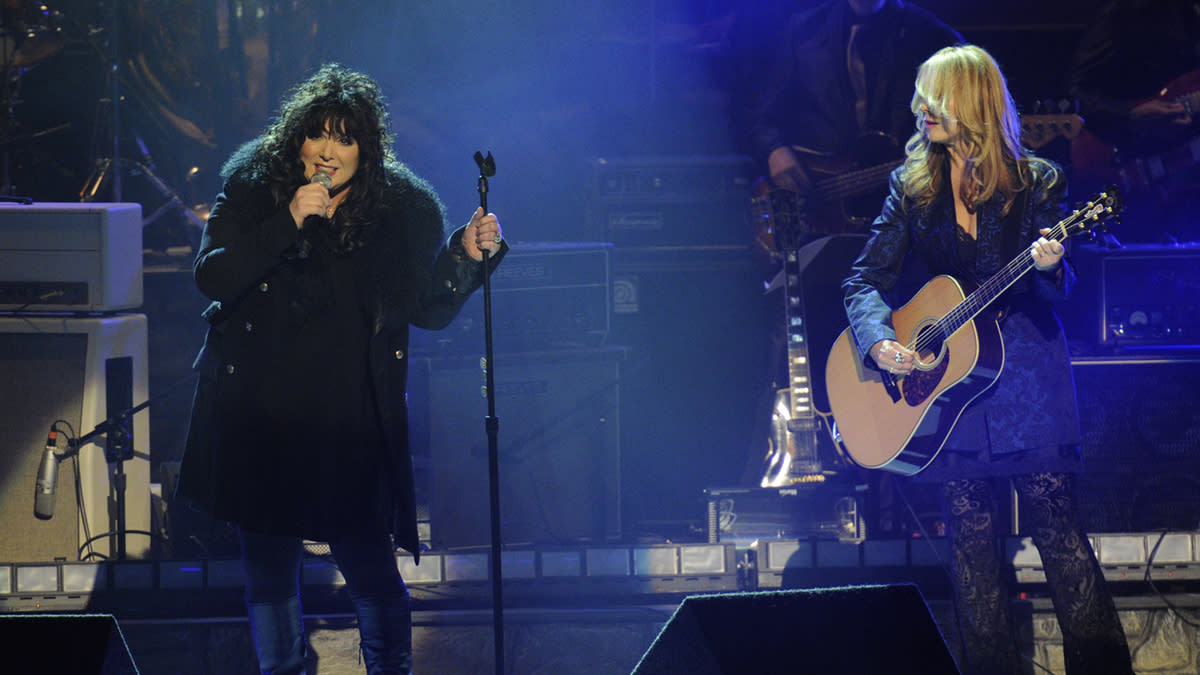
(1093, 640)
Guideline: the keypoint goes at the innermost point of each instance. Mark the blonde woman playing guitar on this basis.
(974, 206)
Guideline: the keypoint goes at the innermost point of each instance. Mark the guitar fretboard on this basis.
(799, 382)
(988, 291)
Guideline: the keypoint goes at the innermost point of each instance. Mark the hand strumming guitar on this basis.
(893, 357)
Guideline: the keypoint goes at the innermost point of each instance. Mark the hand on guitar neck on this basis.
(1155, 153)
(786, 171)
(809, 194)
(1160, 121)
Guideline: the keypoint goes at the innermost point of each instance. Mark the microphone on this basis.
(47, 480)
(326, 181)
(323, 179)
(312, 221)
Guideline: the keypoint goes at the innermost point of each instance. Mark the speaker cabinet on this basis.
(1135, 296)
(1140, 419)
(695, 320)
(558, 449)
(80, 371)
(80, 644)
(172, 306)
(863, 629)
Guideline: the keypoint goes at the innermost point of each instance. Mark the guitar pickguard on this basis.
(920, 384)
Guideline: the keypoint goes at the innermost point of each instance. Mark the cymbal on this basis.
(28, 32)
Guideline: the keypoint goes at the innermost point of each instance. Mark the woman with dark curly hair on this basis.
(321, 250)
(968, 199)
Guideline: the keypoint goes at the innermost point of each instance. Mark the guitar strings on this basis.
(973, 304)
(848, 184)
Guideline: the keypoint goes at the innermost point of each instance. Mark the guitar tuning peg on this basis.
(1064, 106)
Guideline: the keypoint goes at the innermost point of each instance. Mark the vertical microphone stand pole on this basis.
(487, 169)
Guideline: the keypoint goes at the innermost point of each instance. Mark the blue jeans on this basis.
(380, 598)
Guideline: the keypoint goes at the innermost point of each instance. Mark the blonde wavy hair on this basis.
(964, 83)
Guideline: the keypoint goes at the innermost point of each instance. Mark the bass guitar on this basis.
(1157, 165)
(900, 425)
(1038, 131)
(846, 191)
(838, 200)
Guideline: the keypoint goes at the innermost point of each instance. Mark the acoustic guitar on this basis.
(900, 424)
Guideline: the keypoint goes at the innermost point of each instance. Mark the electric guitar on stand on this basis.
(793, 457)
(800, 448)
(814, 236)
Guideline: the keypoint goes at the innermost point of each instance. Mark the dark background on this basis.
(545, 86)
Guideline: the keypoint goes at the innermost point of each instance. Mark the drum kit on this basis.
(29, 33)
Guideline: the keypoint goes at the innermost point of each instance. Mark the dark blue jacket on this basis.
(1032, 404)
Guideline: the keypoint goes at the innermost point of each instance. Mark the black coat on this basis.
(250, 264)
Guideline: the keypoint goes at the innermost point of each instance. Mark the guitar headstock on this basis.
(1094, 215)
(782, 213)
(1039, 130)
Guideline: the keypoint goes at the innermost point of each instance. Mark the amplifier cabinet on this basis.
(67, 257)
(545, 295)
(670, 200)
(1136, 295)
(1140, 420)
(81, 371)
(558, 447)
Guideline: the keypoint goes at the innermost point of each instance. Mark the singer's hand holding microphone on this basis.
(312, 200)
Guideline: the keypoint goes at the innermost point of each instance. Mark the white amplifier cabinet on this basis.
(70, 257)
(82, 371)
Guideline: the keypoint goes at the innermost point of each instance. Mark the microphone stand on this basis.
(487, 169)
(117, 449)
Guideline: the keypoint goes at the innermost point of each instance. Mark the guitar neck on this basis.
(989, 290)
(854, 182)
(799, 379)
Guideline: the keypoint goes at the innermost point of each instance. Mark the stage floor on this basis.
(583, 610)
